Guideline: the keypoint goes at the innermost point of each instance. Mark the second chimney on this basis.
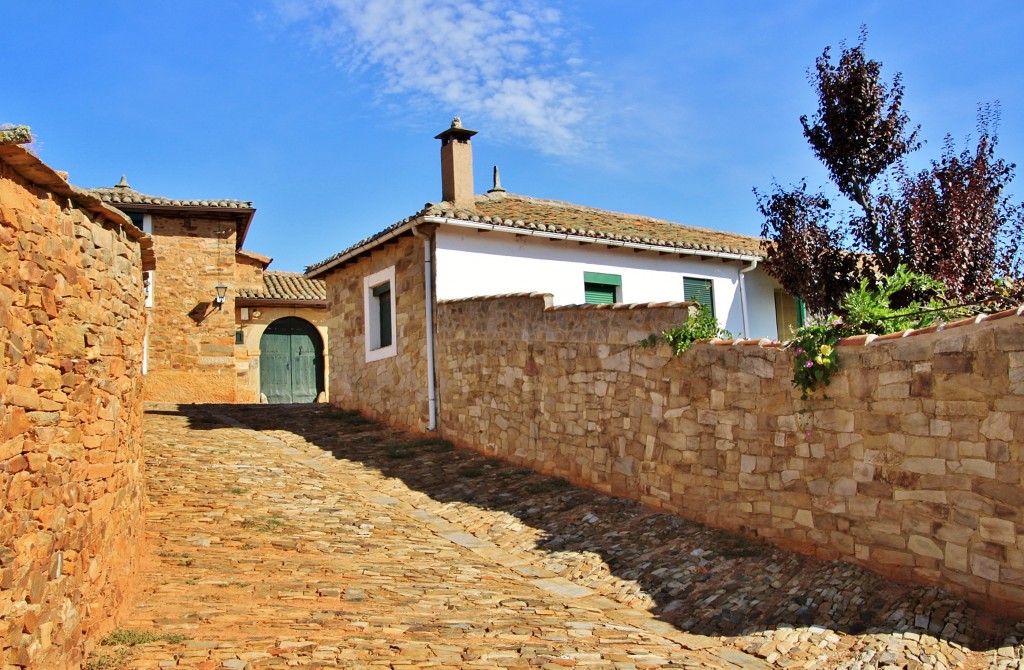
(457, 165)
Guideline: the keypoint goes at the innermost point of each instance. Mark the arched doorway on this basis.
(291, 361)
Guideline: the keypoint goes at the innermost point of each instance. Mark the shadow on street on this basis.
(699, 579)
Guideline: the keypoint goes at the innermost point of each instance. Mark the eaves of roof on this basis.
(126, 198)
(259, 258)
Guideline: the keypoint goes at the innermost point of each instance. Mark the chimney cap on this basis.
(497, 182)
(455, 132)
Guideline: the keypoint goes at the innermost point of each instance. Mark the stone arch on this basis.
(291, 361)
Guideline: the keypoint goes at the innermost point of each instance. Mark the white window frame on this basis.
(371, 316)
(148, 275)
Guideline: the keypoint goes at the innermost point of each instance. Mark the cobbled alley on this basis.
(306, 536)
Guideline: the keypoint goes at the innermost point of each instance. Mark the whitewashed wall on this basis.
(472, 263)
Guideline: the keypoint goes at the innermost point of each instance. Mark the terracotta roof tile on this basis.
(286, 286)
(123, 194)
(553, 216)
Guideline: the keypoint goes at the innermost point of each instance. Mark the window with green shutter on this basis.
(600, 288)
(699, 290)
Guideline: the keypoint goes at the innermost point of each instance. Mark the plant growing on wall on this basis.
(901, 300)
(814, 355)
(700, 325)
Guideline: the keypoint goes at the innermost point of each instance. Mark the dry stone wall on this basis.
(71, 331)
(394, 388)
(911, 466)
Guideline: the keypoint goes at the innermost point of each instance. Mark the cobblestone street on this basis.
(304, 536)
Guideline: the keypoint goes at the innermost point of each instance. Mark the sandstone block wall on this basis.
(191, 342)
(392, 389)
(71, 330)
(911, 466)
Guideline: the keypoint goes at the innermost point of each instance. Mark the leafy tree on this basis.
(954, 213)
(860, 129)
(806, 255)
(951, 221)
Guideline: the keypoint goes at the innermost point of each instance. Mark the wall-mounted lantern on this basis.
(222, 292)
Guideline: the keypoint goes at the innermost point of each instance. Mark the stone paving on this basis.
(304, 536)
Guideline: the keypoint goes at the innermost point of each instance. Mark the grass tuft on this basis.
(548, 485)
(127, 637)
(349, 417)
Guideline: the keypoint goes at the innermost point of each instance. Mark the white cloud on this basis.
(482, 60)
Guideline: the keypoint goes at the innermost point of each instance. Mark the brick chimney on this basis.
(457, 165)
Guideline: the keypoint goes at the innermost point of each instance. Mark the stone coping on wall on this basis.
(548, 299)
(28, 165)
(852, 341)
(866, 339)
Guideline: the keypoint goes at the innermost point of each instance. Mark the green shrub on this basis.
(701, 325)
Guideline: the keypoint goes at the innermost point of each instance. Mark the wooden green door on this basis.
(291, 362)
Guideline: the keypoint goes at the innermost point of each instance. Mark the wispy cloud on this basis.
(491, 63)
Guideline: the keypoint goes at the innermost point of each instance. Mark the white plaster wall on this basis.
(472, 263)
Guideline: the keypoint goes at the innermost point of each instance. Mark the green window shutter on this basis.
(801, 313)
(599, 288)
(598, 294)
(699, 290)
(382, 294)
(602, 278)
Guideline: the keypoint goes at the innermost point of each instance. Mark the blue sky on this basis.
(323, 112)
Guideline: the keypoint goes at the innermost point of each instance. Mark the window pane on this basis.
(383, 295)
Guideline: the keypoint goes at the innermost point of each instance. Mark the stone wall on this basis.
(191, 342)
(394, 388)
(71, 330)
(911, 466)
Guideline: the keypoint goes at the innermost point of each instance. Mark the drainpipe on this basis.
(743, 296)
(428, 283)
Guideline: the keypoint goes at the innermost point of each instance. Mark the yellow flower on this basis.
(820, 360)
(826, 350)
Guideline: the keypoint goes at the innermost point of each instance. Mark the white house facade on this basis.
(499, 243)
(475, 259)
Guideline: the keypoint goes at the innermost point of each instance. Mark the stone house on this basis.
(383, 291)
(222, 328)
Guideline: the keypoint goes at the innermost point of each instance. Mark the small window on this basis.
(699, 290)
(239, 337)
(379, 312)
(602, 289)
(382, 305)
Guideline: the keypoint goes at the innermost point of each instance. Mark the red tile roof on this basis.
(289, 286)
(521, 211)
(514, 211)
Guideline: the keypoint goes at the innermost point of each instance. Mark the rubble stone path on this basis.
(305, 536)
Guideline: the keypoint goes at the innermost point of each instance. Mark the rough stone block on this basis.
(928, 466)
(997, 530)
(924, 546)
(984, 567)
